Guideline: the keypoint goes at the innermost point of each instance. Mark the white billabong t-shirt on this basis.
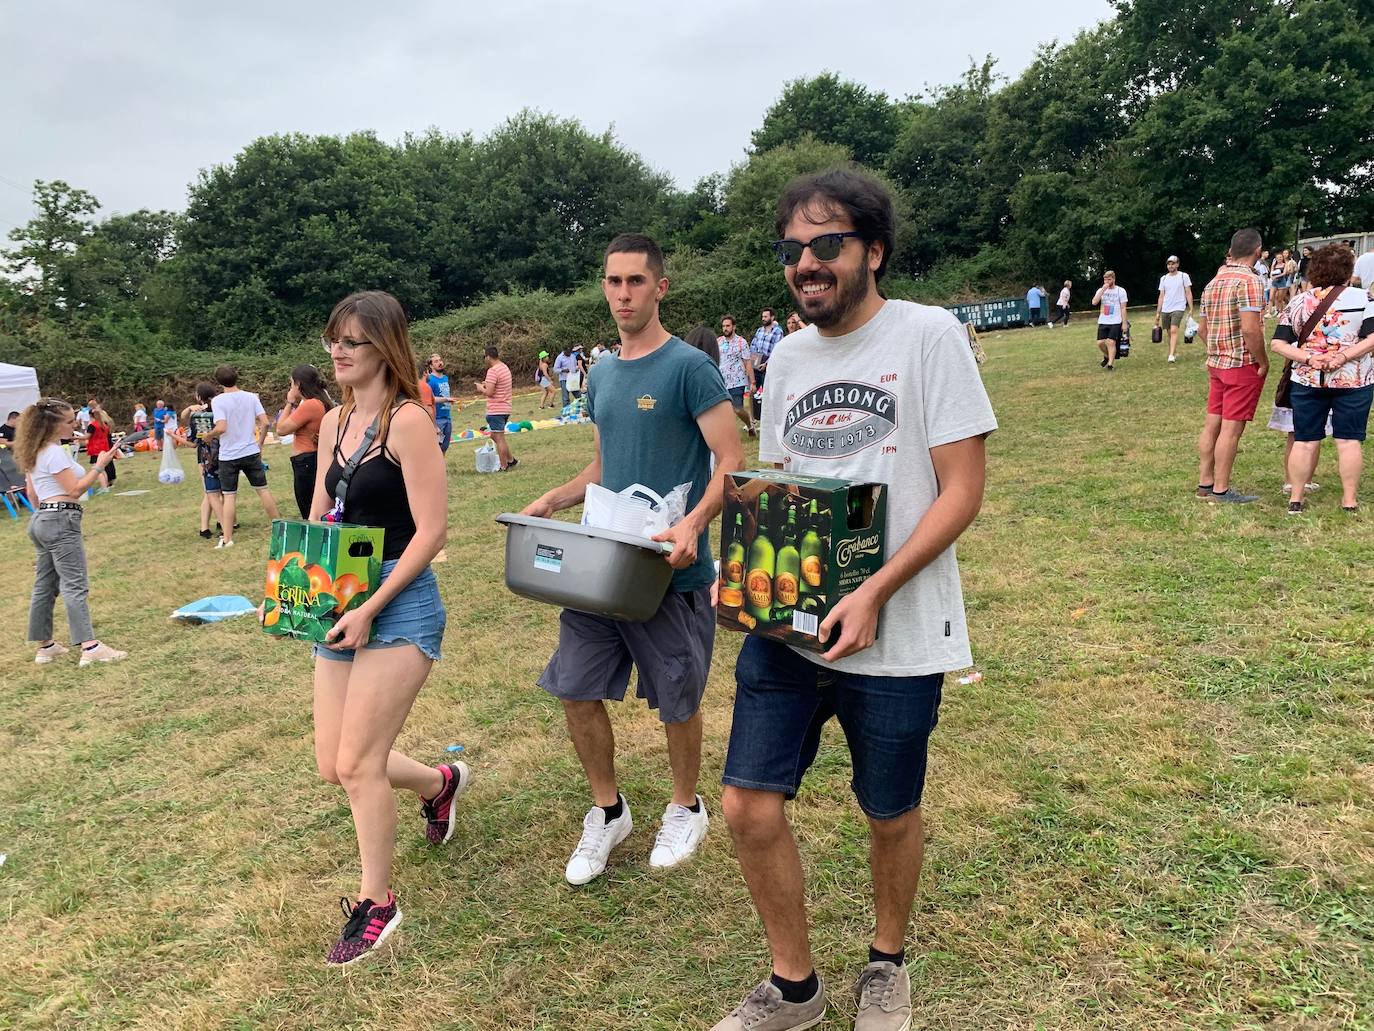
(1172, 287)
(239, 409)
(868, 406)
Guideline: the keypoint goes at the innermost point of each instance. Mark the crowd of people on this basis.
(667, 411)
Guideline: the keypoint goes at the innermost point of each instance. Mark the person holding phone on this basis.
(55, 484)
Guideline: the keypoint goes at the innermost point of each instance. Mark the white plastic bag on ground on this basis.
(637, 509)
(488, 461)
(170, 470)
(1190, 328)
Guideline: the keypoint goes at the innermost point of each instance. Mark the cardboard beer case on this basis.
(316, 572)
(791, 547)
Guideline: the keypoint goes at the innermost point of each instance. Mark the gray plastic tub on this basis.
(604, 572)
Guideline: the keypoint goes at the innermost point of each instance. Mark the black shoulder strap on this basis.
(346, 474)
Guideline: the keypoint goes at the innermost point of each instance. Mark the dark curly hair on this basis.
(1332, 265)
(844, 191)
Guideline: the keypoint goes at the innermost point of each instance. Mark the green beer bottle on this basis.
(811, 555)
(758, 583)
(732, 573)
(788, 580)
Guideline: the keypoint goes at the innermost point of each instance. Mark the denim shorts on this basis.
(415, 616)
(497, 423)
(783, 701)
(737, 396)
(1344, 409)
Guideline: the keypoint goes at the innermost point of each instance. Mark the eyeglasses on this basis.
(825, 247)
(347, 346)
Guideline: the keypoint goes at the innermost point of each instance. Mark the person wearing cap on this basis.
(545, 380)
(1175, 303)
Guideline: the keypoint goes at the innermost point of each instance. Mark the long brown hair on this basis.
(40, 424)
(383, 323)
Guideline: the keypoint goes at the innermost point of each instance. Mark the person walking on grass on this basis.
(1062, 306)
(497, 388)
(385, 470)
(563, 366)
(660, 412)
(240, 426)
(55, 482)
(200, 420)
(306, 402)
(1232, 327)
(544, 378)
(1110, 318)
(931, 414)
(737, 369)
(140, 418)
(765, 338)
(1174, 304)
(1035, 300)
(1327, 332)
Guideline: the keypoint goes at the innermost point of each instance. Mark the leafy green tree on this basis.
(833, 111)
(45, 244)
(753, 189)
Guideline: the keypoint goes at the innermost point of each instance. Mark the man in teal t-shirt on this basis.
(660, 411)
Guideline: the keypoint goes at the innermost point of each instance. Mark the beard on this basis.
(844, 299)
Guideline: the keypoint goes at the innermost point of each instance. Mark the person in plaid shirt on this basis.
(1232, 326)
(766, 338)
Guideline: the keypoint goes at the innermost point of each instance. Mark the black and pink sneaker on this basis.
(368, 926)
(441, 810)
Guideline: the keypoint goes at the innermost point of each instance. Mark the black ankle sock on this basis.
(90, 647)
(613, 811)
(695, 807)
(797, 991)
(895, 958)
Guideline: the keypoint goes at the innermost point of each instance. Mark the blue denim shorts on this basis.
(782, 702)
(415, 616)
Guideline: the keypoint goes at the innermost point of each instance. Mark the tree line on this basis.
(1160, 130)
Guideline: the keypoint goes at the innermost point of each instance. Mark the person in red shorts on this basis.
(1232, 326)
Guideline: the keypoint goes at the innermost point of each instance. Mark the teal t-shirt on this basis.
(646, 412)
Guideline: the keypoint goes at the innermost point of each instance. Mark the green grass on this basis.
(1154, 811)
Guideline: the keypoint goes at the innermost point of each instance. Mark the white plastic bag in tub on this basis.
(488, 461)
(637, 509)
(170, 470)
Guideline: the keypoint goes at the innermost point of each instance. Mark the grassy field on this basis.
(1156, 810)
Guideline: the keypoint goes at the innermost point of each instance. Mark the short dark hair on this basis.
(226, 376)
(492, 352)
(1245, 243)
(769, 310)
(638, 243)
(205, 391)
(12, 415)
(861, 198)
(1331, 265)
(724, 318)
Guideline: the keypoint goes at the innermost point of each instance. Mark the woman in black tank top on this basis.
(378, 655)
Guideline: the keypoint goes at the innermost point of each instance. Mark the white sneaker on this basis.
(598, 838)
(1173, 358)
(102, 652)
(223, 544)
(46, 655)
(679, 836)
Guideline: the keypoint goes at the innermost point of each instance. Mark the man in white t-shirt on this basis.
(871, 390)
(1110, 317)
(1175, 303)
(240, 425)
(1364, 272)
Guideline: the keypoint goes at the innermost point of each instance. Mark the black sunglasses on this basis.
(825, 247)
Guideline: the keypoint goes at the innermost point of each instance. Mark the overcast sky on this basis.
(129, 100)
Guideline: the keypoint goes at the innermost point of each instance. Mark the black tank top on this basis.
(376, 495)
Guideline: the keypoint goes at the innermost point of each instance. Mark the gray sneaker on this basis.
(884, 992)
(764, 1010)
(1232, 497)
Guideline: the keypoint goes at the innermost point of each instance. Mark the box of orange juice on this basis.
(315, 573)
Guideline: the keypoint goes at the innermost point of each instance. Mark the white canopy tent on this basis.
(18, 388)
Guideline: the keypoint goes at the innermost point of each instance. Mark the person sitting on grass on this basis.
(378, 656)
(55, 484)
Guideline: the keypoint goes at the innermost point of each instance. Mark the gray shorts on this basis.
(671, 651)
(1169, 319)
